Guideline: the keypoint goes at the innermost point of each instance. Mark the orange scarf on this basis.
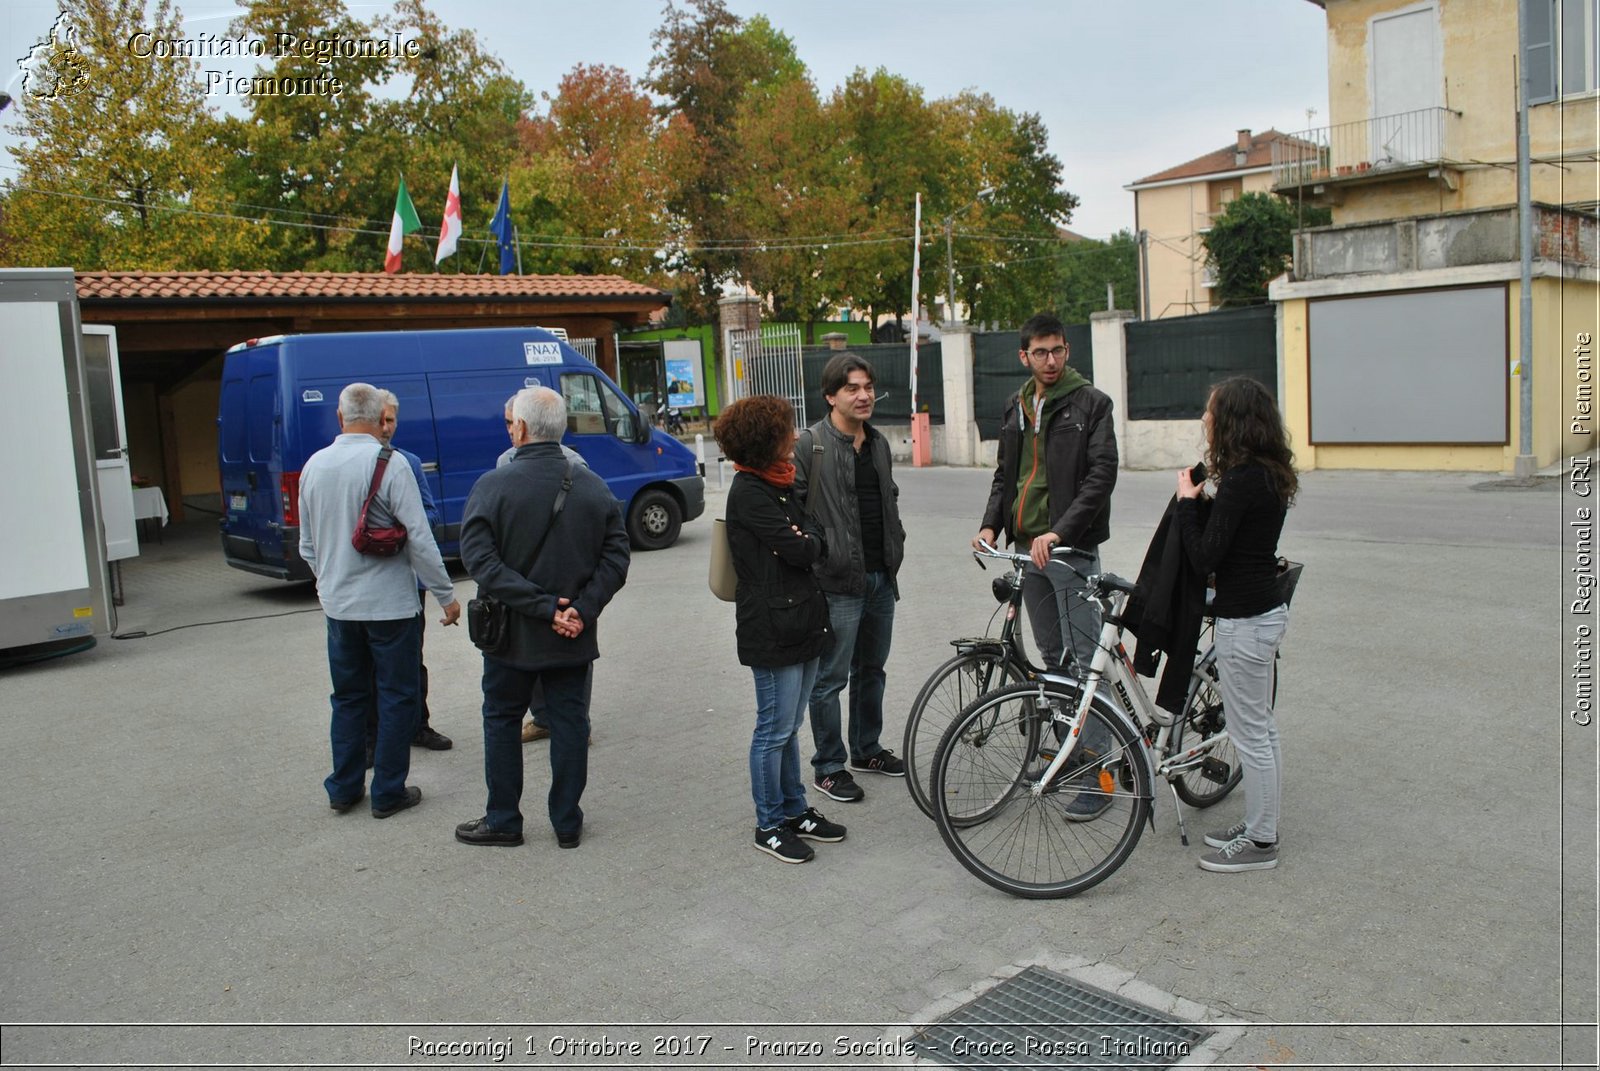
(778, 474)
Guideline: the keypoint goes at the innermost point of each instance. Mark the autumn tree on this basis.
(887, 133)
(594, 174)
(1004, 244)
(118, 163)
(705, 61)
(313, 164)
(796, 193)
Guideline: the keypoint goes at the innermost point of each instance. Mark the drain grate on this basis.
(1040, 1019)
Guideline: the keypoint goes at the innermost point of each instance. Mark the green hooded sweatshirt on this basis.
(1032, 517)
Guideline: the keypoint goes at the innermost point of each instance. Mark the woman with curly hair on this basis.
(1248, 455)
(781, 622)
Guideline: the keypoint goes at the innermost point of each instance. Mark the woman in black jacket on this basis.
(1248, 455)
(782, 616)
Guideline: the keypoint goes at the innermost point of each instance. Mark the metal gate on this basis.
(766, 360)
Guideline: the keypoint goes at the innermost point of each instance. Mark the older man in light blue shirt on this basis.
(374, 632)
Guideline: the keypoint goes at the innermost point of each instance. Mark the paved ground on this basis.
(169, 857)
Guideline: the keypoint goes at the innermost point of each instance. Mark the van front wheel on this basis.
(654, 521)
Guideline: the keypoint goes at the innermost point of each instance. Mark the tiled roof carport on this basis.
(172, 327)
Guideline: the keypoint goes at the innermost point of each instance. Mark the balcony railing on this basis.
(1368, 148)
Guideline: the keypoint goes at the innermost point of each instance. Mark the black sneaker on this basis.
(410, 798)
(432, 739)
(840, 786)
(782, 844)
(883, 762)
(812, 826)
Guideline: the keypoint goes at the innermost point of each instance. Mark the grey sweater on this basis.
(360, 587)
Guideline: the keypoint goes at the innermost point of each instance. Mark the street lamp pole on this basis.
(949, 252)
(950, 264)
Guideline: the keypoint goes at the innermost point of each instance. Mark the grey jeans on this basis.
(1059, 615)
(1246, 648)
(1062, 622)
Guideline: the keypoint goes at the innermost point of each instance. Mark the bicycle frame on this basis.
(1112, 665)
(1010, 640)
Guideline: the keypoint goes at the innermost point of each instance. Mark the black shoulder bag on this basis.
(489, 619)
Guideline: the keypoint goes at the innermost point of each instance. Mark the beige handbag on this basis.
(722, 578)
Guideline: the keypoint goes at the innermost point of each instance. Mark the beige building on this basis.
(1174, 209)
(1400, 322)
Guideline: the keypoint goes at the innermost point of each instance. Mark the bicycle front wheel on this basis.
(945, 694)
(1034, 842)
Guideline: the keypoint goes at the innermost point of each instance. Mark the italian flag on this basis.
(405, 221)
(450, 229)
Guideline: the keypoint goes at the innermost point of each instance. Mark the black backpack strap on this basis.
(556, 508)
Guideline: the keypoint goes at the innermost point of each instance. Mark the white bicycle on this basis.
(1012, 760)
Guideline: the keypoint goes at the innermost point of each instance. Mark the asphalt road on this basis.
(168, 857)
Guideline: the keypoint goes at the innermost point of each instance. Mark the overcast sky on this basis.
(1125, 88)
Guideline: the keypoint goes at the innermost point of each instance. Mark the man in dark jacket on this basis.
(546, 538)
(842, 472)
(1056, 466)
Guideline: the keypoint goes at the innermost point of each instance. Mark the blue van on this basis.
(280, 397)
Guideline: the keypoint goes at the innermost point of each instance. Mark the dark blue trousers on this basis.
(366, 657)
(507, 692)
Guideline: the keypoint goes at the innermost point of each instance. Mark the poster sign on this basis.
(681, 393)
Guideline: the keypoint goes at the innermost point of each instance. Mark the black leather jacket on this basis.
(830, 500)
(1080, 468)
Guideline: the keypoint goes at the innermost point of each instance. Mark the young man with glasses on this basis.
(1056, 466)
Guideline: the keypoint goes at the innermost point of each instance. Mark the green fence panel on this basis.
(1172, 363)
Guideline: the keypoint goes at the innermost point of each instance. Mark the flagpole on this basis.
(516, 240)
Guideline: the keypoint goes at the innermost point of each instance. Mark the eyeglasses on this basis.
(1058, 352)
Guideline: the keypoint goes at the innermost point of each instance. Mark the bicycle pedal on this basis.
(1213, 769)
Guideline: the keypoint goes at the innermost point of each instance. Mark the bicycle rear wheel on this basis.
(1201, 720)
(947, 691)
(1021, 840)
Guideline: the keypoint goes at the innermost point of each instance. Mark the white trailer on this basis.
(54, 586)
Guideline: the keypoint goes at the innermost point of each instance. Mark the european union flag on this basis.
(500, 227)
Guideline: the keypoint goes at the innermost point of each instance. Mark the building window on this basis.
(1220, 194)
(1562, 48)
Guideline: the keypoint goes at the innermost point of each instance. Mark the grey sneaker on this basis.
(1240, 854)
(1086, 806)
(1223, 837)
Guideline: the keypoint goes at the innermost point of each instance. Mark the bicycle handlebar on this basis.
(989, 550)
(1108, 582)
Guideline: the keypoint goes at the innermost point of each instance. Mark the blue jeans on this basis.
(507, 691)
(363, 657)
(1246, 648)
(775, 783)
(862, 628)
